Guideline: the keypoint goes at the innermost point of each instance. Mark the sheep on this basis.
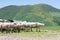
(8, 26)
(4, 26)
(20, 25)
(34, 25)
(11, 26)
(38, 25)
(17, 25)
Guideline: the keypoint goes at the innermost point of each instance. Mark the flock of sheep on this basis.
(12, 25)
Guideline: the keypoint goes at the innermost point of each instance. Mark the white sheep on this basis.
(36, 25)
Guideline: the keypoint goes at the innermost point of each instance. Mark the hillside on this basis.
(38, 13)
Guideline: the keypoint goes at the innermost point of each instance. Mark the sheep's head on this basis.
(41, 24)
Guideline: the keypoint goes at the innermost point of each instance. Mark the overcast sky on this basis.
(54, 3)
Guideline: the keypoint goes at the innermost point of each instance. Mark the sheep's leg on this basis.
(14, 29)
(11, 30)
(7, 30)
(19, 29)
(27, 29)
(1, 30)
(37, 29)
(31, 29)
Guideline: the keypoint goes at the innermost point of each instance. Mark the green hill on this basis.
(37, 13)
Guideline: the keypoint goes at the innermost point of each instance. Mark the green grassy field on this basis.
(53, 33)
(42, 29)
(50, 28)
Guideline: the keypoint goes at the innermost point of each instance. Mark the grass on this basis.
(50, 28)
(34, 33)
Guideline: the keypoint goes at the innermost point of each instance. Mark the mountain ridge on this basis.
(37, 13)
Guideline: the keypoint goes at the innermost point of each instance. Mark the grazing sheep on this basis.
(10, 25)
(36, 25)
(16, 25)
(4, 26)
(20, 25)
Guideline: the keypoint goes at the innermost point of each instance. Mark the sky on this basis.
(54, 3)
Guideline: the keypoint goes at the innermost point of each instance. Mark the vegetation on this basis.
(37, 13)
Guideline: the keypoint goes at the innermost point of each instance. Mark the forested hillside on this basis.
(36, 13)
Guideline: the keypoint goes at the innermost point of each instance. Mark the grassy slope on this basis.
(40, 12)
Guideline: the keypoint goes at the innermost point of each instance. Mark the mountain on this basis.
(36, 13)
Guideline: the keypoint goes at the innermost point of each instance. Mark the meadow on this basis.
(46, 33)
(43, 30)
